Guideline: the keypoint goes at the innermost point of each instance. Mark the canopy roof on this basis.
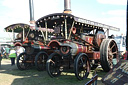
(51, 19)
(18, 27)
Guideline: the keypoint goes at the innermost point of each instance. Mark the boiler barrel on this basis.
(76, 48)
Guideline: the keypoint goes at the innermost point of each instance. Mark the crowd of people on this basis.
(5, 51)
(10, 52)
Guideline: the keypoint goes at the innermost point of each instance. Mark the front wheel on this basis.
(21, 61)
(54, 65)
(40, 60)
(81, 66)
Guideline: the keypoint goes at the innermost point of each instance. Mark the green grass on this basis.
(11, 75)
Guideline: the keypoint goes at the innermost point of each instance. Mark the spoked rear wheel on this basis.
(40, 61)
(81, 66)
(108, 54)
(53, 65)
(21, 61)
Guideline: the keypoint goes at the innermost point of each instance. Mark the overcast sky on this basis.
(110, 12)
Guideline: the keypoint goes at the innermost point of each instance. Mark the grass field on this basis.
(10, 75)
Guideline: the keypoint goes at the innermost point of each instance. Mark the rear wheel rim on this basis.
(108, 54)
(112, 54)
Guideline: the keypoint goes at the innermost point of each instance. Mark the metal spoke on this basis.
(43, 58)
(112, 46)
(54, 65)
(52, 61)
(115, 52)
(81, 60)
(84, 74)
(111, 64)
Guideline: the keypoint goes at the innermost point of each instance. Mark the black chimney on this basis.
(67, 6)
(31, 6)
(127, 31)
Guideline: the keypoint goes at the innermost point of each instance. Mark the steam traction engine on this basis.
(78, 43)
(34, 42)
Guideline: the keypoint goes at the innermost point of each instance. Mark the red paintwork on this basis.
(53, 43)
(44, 47)
(125, 55)
(18, 44)
(81, 49)
(93, 55)
(89, 39)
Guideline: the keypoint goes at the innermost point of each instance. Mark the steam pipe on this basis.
(65, 29)
(31, 6)
(67, 6)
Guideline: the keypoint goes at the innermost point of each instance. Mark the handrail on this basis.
(93, 80)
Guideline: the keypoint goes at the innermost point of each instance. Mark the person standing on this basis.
(7, 49)
(3, 53)
(12, 56)
(20, 50)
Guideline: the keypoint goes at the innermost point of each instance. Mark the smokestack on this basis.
(31, 6)
(127, 31)
(67, 6)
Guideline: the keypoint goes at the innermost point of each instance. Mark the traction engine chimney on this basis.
(67, 6)
(127, 31)
(31, 6)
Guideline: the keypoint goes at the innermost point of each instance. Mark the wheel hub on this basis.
(84, 65)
